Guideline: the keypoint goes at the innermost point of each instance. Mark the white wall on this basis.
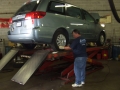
(10, 6)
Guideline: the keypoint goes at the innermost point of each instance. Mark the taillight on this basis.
(35, 15)
(10, 20)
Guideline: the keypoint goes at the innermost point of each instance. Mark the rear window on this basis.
(28, 7)
(56, 7)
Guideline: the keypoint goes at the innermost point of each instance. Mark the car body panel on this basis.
(43, 29)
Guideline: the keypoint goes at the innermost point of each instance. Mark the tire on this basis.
(59, 39)
(101, 39)
(29, 46)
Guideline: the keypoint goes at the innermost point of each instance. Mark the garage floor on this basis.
(104, 79)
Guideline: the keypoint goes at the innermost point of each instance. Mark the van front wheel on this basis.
(101, 40)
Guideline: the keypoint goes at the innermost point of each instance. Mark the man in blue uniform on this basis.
(78, 47)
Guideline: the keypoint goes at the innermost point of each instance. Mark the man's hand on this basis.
(61, 47)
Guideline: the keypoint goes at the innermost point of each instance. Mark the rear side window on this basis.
(73, 12)
(56, 7)
(28, 7)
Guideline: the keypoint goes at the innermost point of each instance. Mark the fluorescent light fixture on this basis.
(31, 1)
(60, 6)
(77, 24)
(67, 5)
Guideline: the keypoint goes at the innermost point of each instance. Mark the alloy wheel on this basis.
(61, 40)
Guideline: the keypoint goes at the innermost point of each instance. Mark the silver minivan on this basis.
(52, 22)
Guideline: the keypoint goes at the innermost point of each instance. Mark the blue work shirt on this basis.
(78, 47)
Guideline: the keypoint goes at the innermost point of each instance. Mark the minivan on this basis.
(52, 22)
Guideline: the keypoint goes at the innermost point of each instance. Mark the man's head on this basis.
(75, 33)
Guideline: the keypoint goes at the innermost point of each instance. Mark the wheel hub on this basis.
(102, 39)
(61, 40)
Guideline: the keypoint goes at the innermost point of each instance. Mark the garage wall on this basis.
(102, 7)
(8, 7)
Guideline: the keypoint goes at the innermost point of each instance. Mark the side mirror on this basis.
(96, 17)
(97, 20)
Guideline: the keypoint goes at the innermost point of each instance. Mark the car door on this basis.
(91, 26)
(75, 20)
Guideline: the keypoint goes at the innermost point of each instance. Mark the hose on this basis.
(112, 6)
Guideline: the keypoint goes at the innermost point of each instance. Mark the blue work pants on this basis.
(79, 69)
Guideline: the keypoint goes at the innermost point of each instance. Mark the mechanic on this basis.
(78, 47)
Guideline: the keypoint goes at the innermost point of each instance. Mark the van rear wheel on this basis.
(59, 39)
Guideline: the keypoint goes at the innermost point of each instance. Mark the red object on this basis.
(98, 56)
(35, 15)
(68, 73)
(105, 54)
(4, 19)
(53, 61)
(67, 70)
(4, 22)
(44, 67)
(10, 20)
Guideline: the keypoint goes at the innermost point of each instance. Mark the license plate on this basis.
(19, 24)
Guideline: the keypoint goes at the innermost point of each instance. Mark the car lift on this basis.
(47, 60)
(92, 65)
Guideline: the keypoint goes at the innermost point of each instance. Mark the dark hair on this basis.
(76, 31)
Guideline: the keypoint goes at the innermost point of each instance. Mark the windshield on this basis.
(28, 7)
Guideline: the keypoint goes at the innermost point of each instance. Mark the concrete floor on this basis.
(107, 78)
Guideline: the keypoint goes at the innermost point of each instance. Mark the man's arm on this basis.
(72, 46)
(65, 47)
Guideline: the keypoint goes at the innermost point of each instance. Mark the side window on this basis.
(56, 7)
(73, 12)
(88, 17)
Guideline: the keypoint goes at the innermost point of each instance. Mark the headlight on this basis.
(103, 25)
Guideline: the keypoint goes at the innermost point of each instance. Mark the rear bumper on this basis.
(29, 38)
(24, 38)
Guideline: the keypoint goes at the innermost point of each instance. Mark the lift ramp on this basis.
(30, 66)
(8, 57)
